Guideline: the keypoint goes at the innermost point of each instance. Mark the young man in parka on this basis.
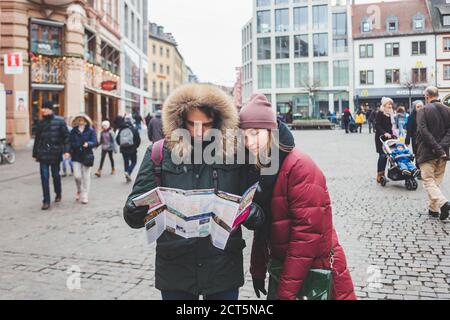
(188, 268)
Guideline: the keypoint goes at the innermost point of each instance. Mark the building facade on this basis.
(168, 69)
(394, 52)
(134, 30)
(247, 61)
(440, 16)
(62, 47)
(301, 56)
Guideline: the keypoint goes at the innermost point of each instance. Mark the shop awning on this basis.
(108, 94)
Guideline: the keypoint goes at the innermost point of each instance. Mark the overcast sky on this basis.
(208, 33)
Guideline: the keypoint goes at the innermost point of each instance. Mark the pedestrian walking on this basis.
(384, 130)
(67, 162)
(302, 236)
(370, 119)
(83, 140)
(108, 145)
(360, 119)
(148, 117)
(51, 143)
(155, 128)
(188, 268)
(129, 141)
(346, 119)
(400, 121)
(138, 121)
(411, 128)
(433, 144)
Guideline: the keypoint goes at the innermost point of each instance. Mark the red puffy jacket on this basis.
(302, 232)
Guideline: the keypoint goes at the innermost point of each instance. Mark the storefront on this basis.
(47, 71)
(401, 96)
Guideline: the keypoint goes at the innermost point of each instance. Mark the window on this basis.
(366, 51)
(282, 47)
(366, 25)
(283, 75)
(264, 76)
(154, 94)
(392, 49)
(446, 20)
(127, 21)
(419, 75)
(419, 48)
(393, 76)
(320, 44)
(46, 40)
(301, 74)
(282, 20)
(447, 44)
(161, 69)
(419, 22)
(154, 49)
(281, 2)
(320, 17)
(161, 90)
(301, 49)
(161, 51)
(392, 24)
(168, 89)
(446, 71)
(262, 3)
(154, 67)
(321, 73)
(340, 24)
(366, 77)
(90, 45)
(263, 22)
(167, 53)
(168, 70)
(264, 49)
(340, 45)
(301, 19)
(340, 73)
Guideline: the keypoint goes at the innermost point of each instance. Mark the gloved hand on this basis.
(256, 218)
(134, 216)
(259, 287)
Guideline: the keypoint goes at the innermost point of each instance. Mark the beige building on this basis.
(71, 56)
(167, 69)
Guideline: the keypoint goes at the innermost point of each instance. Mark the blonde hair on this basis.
(270, 144)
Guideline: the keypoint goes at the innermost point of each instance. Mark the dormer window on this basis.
(392, 24)
(446, 20)
(419, 22)
(366, 25)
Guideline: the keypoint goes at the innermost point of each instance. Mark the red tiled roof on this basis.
(379, 12)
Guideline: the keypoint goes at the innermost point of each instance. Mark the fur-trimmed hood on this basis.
(191, 96)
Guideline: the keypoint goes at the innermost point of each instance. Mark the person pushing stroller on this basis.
(404, 159)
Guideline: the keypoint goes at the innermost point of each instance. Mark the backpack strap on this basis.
(157, 158)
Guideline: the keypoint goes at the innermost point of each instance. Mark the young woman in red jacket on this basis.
(300, 230)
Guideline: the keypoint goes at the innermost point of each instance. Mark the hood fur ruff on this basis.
(191, 96)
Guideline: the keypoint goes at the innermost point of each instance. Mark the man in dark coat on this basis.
(51, 142)
(188, 268)
(129, 141)
(154, 129)
(433, 144)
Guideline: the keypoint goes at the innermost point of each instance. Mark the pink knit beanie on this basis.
(258, 114)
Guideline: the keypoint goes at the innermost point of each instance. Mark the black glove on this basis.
(256, 218)
(259, 287)
(134, 216)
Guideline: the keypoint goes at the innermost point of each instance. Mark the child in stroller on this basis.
(401, 166)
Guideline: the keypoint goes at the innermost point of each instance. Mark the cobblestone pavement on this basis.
(394, 250)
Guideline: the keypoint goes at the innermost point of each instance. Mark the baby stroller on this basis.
(353, 127)
(394, 172)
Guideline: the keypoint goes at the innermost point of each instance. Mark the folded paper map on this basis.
(195, 213)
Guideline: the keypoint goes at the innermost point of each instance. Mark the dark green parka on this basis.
(193, 265)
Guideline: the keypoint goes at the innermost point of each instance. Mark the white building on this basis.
(134, 28)
(301, 54)
(440, 16)
(247, 61)
(394, 52)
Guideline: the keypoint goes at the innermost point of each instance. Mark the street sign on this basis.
(13, 63)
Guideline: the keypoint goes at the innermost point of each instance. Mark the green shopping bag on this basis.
(317, 286)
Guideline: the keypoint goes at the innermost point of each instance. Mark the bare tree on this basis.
(312, 86)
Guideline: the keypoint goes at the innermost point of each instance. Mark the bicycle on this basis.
(7, 153)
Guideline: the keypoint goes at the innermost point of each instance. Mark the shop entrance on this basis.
(38, 98)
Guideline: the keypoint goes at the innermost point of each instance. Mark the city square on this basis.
(394, 250)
